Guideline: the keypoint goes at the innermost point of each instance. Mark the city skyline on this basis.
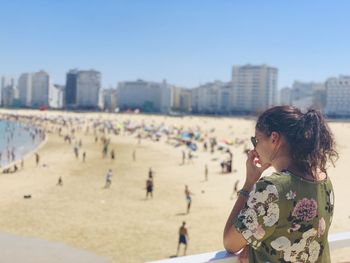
(188, 43)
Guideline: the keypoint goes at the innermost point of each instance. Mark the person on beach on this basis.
(205, 146)
(188, 198)
(105, 150)
(183, 157)
(134, 155)
(285, 217)
(60, 182)
(206, 172)
(150, 172)
(37, 159)
(139, 138)
(149, 186)
(76, 152)
(183, 238)
(108, 178)
(84, 156)
(112, 155)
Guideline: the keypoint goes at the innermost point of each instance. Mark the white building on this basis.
(213, 97)
(40, 89)
(285, 96)
(56, 96)
(181, 99)
(8, 94)
(25, 89)
(254, 87)
(5, 83)
(338, 97)
(109, 99)
(88, 89)
(146, 95)
(304, 95)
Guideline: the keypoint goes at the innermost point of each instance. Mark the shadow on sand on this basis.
(181, 214)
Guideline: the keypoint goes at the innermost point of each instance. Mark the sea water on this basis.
(16, 140)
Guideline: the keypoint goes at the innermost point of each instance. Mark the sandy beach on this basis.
(118, 223)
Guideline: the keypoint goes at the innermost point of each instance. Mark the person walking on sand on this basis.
(206, 172)
(76, 151)
(109, 178)
(149, 186)
(105, 150)
(134, 155)
(84, 156)
(150, 172)
(183, 238)
(37, 159)
(60, 182)
(188, 198)
(112, 155)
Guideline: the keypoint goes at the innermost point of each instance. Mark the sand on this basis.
(119, 223)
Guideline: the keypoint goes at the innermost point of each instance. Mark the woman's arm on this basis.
(234, 240)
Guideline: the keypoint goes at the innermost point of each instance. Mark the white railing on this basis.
(336, 241)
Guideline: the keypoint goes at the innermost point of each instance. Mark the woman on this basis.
(285, 217)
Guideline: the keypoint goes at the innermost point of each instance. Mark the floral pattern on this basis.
(305, 210)
(289, 229)
(291, 195)
(261, 204)
(305, 250)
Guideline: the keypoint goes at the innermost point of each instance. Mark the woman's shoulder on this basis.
(276, 178)
(285, 182)
(281, 181)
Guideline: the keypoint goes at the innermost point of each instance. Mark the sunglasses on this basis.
(254, 141)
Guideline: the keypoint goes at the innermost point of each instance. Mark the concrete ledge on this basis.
(17, 249)
(336, 241)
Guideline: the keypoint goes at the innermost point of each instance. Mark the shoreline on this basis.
(25, 155)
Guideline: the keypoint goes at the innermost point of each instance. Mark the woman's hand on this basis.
(254, 169)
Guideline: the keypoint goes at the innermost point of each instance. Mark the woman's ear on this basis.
(275, 136)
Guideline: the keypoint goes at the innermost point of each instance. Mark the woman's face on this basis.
(264, 147)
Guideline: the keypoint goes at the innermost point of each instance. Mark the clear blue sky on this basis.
(186, 42)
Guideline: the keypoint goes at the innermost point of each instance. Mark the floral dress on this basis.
(287, 218)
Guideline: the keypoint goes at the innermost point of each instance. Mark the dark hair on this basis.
(308, 135)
